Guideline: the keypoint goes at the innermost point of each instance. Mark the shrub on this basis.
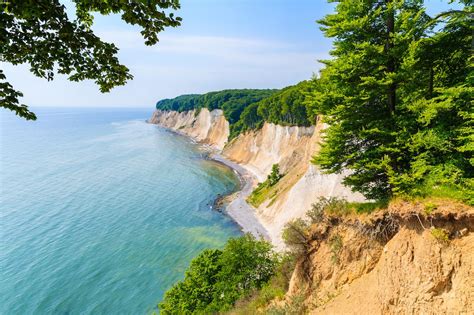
(295, 306)
(217, 278)
(441, 235)
(295, 236)
(274, 289)
(331, 205)
(429, 208)
(275, 175)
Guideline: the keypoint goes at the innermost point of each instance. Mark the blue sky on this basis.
(220, 45)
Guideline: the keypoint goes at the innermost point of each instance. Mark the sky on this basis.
(221, 44)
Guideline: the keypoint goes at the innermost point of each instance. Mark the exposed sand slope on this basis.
(409, 272)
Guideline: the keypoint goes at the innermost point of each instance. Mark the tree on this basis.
(40, 33)
(197, 289)
(217, 278)
(275, 175)
(385, 80)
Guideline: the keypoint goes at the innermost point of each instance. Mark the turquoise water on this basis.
(101, 212)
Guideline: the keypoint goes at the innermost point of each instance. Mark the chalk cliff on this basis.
(204, 126)
(256, 151)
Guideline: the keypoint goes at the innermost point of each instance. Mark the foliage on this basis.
(275, 289)
(232, 102)
(264, 190)
(218, 278)
(286, 107)
(368, 207)
(328, 205)
(41, 34)
(398, 98)
(295, 236)
(441, 235)
(275, 175)
(295, 306)
(430, 208)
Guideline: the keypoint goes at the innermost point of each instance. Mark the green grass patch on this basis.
(465, 195)
(367, 207)
(263, 192)
(266, 189)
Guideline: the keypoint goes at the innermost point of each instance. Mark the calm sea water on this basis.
(100, 212)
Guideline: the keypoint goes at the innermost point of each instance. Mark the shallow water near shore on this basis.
(101, 212)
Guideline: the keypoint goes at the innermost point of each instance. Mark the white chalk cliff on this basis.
(256, 151)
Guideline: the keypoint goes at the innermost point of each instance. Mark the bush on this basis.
(295, 236)
(295, 306)
(217, 278)
(276, 288)
(441, 235)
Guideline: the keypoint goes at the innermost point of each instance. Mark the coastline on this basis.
(238, 209)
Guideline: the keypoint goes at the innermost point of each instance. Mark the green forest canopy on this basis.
(217, 278)
(247, 109)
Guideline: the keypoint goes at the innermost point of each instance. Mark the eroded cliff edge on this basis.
(403, 260)
(256, 151)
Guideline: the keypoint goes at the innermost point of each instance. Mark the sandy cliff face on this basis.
(206, 127)
(406, 271)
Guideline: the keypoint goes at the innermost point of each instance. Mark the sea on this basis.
(101, 212)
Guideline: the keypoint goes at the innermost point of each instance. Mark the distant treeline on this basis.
(249, 108)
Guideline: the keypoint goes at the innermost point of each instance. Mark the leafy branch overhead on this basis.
(40, 33)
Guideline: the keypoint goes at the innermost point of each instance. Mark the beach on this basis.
(238, 208)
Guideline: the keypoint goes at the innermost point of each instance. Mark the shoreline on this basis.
(237, 209)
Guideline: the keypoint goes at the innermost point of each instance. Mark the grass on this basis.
(263, 192)
(266, 189)
(464, 195)
(367, 207)
(335, 206)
